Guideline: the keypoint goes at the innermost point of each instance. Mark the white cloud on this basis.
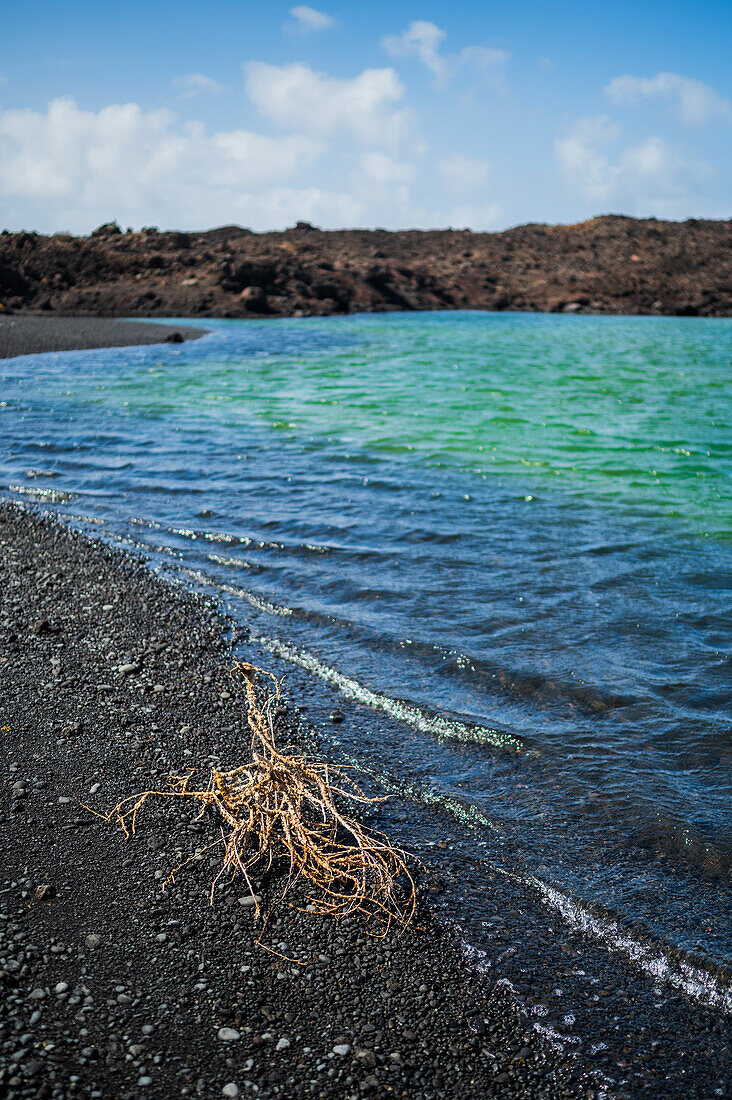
(480, 217)
(490, 63)
(462, 175)
(695, 101)
(295, 97)
(73, 168)
(651, 176)
(421, 39)
(582, 158)
(384, 180)
(305, 19)
(381, 168)
(194, 84)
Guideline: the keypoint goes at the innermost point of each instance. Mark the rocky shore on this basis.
(611, 264)
(112, 679)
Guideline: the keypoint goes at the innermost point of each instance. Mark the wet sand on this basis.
(22, 334)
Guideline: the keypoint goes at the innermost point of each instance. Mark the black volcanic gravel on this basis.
(111, 987)
(28, 335)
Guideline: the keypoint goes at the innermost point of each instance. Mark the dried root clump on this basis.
(282, 807)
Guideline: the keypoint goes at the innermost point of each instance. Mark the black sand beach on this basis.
(29, 335)
(112, 987)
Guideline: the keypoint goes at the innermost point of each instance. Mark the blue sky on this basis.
(188, 115)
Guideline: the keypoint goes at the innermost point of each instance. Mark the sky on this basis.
(431, 114)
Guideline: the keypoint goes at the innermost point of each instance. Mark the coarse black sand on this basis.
(112, 987)
(24, 334)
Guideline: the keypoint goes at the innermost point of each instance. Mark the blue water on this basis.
(509, 532)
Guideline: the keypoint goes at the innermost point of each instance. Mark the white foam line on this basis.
(694, 981)
(395, 708)
(240, 593)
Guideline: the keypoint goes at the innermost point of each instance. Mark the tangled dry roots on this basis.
(283, 807)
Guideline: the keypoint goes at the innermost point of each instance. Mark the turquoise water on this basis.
(508, 533)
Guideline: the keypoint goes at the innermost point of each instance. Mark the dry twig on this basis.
(283, 807)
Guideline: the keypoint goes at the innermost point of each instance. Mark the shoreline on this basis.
(32, 334)
(117, 987)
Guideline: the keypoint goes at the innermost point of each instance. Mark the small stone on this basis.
(63, 801)
(44, 892)
(127, 670)
(37, 995)
(43, 626)
(250, 900)
(337, 716)
(232, 1089)
(144, 1081)
(93, 940)
(94, 788)
(283, 1044)
(228, 1034)
(342, 1048)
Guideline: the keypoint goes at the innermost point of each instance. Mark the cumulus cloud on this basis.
(194, 84)
(305, 19)
(490, 63)
(582, 157)
(695, 101)
(73, 168)
(480, 217)
(462, 175)
(298, 98)
(650, 175)
(423, 40)
(384, 180)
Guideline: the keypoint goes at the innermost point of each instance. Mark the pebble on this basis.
(93, 940)
(62, 987)
(232, 1089)
(127, 670)
(143, 1081)
(342, 1048)
(228, 1034)
(283, 1044)
(250, 900)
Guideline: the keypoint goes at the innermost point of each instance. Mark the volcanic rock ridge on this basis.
(610, 264)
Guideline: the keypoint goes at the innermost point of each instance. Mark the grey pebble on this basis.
(342, 1048)
(228, 1034)
(232, 1089)
(283, 1044)
(250, 900)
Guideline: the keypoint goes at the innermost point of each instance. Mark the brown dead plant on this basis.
(281, 807)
